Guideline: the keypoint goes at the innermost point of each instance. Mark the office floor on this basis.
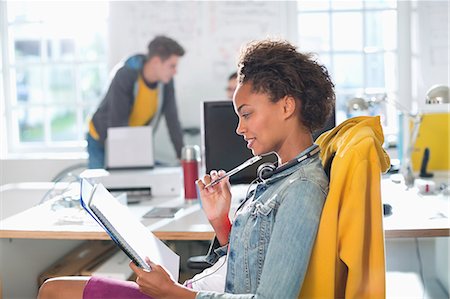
(412, 270)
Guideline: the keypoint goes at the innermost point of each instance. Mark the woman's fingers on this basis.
(202, 183)
(208, 178)
(135, 268)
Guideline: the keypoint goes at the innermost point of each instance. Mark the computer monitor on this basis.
(223, 148)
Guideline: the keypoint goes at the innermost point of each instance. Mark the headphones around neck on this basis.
(267, 170)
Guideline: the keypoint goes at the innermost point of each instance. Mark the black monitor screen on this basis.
(223, 148)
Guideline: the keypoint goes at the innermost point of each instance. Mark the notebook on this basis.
(129, 148)
(131, 236)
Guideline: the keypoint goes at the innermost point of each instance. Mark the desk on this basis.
(413, 216)
(41, 222)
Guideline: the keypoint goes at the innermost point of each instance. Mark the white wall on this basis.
(430, 46)
(34, 169)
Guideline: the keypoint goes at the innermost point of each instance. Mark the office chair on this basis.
(347, 259)
(197, 262)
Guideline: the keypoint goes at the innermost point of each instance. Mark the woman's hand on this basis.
(157, 283)
(216, 202)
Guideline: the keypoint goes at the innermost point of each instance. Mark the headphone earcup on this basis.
(265, 170)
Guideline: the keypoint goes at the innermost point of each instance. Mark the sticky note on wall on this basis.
(434, 133)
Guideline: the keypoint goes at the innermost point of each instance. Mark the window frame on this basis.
(11, 132)
(390, 112)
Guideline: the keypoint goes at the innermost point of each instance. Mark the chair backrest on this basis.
(348, 259)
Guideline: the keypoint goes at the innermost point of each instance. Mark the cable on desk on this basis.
(73, 178)
(68, 170)
(61, 176)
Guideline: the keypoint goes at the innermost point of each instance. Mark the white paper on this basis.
(132, 230)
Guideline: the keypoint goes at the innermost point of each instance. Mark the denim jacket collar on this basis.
(278, 176)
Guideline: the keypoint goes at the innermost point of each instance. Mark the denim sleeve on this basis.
(291, 243)
(215, 251)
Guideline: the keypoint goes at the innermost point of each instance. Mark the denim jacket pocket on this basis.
(265, 208)
(263, 216)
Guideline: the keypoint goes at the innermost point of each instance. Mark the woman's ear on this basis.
(289, 106)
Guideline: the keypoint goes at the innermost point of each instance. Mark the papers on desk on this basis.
(125, 230)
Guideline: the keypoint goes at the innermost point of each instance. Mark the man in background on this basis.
(231, 86)
(141, 90)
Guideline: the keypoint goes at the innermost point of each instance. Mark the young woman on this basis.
(282, 96)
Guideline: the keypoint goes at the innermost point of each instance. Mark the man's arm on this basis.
(171, 114)
(121, 97)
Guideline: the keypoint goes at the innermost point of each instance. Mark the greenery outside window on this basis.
(54, 70)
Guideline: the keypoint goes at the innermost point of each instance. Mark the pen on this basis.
(235, 170)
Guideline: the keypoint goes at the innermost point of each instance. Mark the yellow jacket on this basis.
(348, 256)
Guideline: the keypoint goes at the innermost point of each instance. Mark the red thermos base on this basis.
(190, 175)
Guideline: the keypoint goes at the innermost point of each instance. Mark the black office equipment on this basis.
(224, 149)
(387, 209)
(423, 167)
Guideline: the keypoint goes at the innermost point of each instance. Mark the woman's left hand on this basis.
(158, 284)
(155, 283)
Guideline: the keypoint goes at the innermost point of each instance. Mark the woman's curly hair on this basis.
(276, 68)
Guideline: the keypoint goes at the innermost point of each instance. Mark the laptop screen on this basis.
(224, 149)
(129, 148)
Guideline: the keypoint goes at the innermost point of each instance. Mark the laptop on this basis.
(129, 148)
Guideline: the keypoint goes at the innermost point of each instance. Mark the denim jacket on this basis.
(273, 234)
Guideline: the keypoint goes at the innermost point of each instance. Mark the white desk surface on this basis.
(42, 222)
(413, 216)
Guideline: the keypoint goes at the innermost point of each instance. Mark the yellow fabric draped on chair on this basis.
(348, 258)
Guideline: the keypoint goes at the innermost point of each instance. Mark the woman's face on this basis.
(260, 120)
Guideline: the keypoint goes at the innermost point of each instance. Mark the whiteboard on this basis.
(431, 50)
(211, 32)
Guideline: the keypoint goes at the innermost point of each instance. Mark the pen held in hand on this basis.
(235, 170)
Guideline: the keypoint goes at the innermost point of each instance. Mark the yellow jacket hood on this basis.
(351, 132)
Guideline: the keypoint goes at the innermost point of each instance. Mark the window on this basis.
(356, 40)
(54, 69)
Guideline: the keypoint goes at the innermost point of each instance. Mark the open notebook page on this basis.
(127, 229)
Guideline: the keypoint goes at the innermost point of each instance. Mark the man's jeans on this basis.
(96, 153)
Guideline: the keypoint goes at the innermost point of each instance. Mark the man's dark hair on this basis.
(232, 76)
(164, 47)
(277, 69)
